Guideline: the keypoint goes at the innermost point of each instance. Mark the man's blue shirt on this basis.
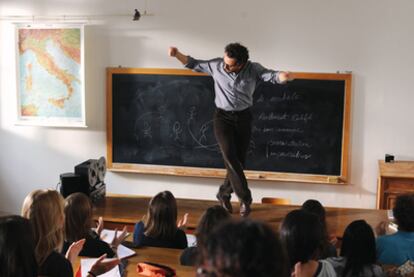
(234, 91)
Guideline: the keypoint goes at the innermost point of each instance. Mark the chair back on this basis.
(275, 201)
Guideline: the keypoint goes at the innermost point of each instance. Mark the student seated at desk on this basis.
(78, 223)
(242, 249)
(397, 248)
(328, 249)
(301, 234)
(160, 227)
(210, 219)
(358, 254)
(44, 209)
(17, 256)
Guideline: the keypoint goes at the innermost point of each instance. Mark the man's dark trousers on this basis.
(233, 132)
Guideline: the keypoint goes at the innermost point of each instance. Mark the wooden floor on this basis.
(118, 210)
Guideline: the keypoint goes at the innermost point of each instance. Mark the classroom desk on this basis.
(165, 256)
(119, 210)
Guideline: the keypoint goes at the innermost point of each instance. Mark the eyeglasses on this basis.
(230, 67)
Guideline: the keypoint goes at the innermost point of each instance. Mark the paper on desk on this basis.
(191, 240)
(108, 235)
(392, 228)
(86, 265)
(390, 214)
(124, 252)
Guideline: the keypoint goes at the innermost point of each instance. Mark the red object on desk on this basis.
(79, 272)
(155, 270)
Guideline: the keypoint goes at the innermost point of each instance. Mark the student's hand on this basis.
(101, 266)
(118, 239)
(381, 228)
(172, 51)
(182, 223)
(100, 226)
(297, 270)
(391, 271)
(333, 239)
(74, 250)
(301, 271)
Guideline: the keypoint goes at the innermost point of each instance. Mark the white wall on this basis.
(373, 38)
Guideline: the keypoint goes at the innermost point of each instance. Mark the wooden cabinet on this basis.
(394, 178)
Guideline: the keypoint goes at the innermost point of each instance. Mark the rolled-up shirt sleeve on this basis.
(267, 75)
(199, 65)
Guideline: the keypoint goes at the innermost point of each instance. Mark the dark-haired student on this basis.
(235, 80)
(44, 209)
(78, 223)
(160, 229)
(210, 219)
(315, 207)
(358, 253)
(17, 256)
(301, 234)
(397, 248)
(243, 248)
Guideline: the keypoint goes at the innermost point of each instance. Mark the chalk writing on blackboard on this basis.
(167, 119)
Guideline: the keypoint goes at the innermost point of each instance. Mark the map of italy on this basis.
(50, 83)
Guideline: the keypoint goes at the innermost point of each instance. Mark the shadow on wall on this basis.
(26, 165)
(96, 59)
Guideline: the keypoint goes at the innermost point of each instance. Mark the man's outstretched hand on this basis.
(172, 51)
(285, 76)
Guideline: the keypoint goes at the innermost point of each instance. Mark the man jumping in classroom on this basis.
(235, 80)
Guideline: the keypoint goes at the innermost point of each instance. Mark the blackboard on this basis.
(160, 121)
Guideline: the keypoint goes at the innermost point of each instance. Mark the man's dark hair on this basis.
(17, 248)
(238, 52)
(404, 212)
(244, 248)
(301, 234)
(358, 247)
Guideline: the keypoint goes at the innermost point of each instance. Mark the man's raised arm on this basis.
(173, 52)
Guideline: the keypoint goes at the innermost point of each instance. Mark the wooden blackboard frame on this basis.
(220, 173)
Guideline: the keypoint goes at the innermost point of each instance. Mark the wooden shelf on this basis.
(394, 178)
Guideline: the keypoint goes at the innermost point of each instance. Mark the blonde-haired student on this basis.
(45, 211)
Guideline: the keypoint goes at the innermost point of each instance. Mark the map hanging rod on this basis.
(65, 18)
